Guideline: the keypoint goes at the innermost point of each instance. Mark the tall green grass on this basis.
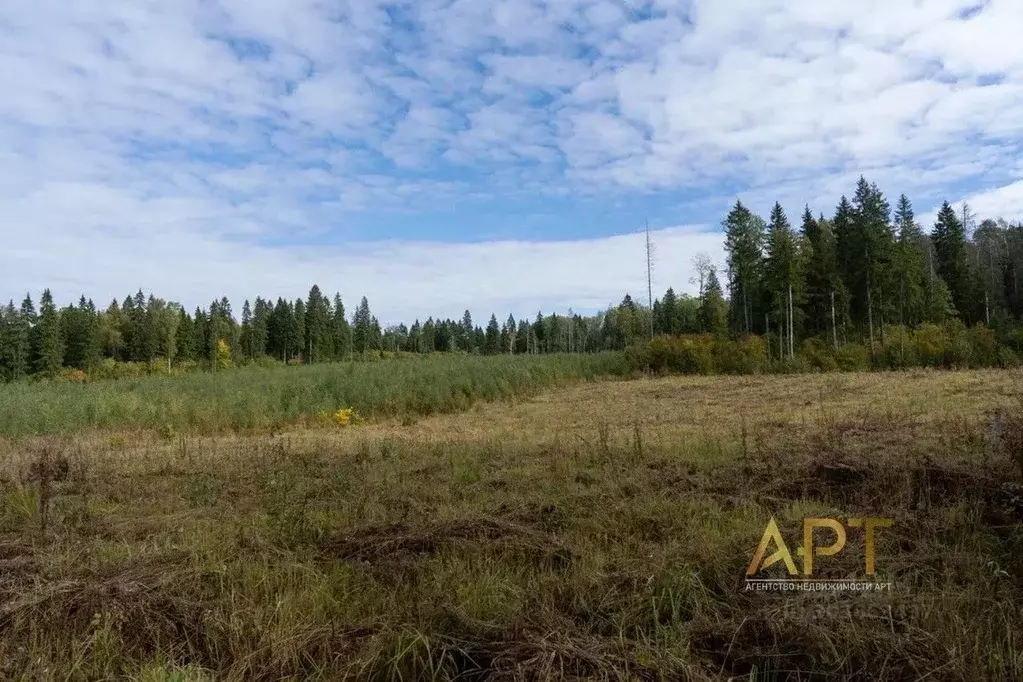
(256, 397)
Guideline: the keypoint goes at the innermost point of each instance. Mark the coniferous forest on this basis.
(863, 277)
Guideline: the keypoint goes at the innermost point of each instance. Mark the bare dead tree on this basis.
(702, 265)
(649, 278)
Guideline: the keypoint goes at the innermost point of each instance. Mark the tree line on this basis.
(867, 267)
(848, 277)
(148, 330)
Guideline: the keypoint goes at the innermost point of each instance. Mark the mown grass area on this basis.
(267, 398)
(596, 532)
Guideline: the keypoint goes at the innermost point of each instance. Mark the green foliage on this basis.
(952, 345)
(784, 272)
(850, 278)
(223, 358)
(819, 354)
(700, 354)
(949, 237)
(959, 350)
(1007, 358)
(260, 397)
(985, 346)
(911, 266)
(683, 355)
(745, 234)
(713, 309)
(898, 350)
(46, 342)
(929, 345)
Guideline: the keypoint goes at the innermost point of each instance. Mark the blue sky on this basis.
(497, 155)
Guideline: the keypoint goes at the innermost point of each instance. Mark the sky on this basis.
(497, 155)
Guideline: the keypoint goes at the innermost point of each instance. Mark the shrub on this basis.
(745, 356)
(265, 361)
(984, 345)
(819, 355)
(224, 360)
(1007, 358)
(71, 374)
(798, 364)
(959, 351)
(929, 345)
(1014, 339)
(853, 357)
(898, 350)
(684, 355)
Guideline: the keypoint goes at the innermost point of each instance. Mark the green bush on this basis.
(1007, 358)
(853, 357)
(929, 345)
(745, 356)
(681, 355)
(898, 351)
(264, 361)
(959, 352)
(799, 364)
(819, 354)
(1014, 339)
(985, 346)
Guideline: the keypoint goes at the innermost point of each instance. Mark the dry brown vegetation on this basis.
(600, 531)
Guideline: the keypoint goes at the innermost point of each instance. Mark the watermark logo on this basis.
(804, 580)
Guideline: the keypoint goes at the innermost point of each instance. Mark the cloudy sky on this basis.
(499, 155)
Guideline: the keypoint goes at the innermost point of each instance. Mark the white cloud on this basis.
(192, 147)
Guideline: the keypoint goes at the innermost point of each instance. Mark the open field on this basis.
(596, 531)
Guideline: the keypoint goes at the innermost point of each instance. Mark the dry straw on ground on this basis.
(596, 532)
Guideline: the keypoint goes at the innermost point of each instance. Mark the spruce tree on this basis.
(362, 330)
(910, 265)
(340, 329)
(429, 336)
(744, 242)
(825, 292)
(713, 308)
(297, 338)
(492, 344)
(783, 276)
(14, 344)
(511, 333)
(670, 317)
(184, 337)
(111, 324)
(200, 332)
(47, 346)
(317, 326)
(872, 256)
(280, 324)
(466, 332)
(376, 336)
(246, 338)
(260, 328)
(949, 239)
(80, 335)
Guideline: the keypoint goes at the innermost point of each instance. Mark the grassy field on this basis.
(599, 530)
(256, 398)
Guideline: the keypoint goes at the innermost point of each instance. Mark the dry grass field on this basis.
(596, 531)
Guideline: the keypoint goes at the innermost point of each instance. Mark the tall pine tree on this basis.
(47, 345)
(910, 265)
(744, 242)
(949, 237)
